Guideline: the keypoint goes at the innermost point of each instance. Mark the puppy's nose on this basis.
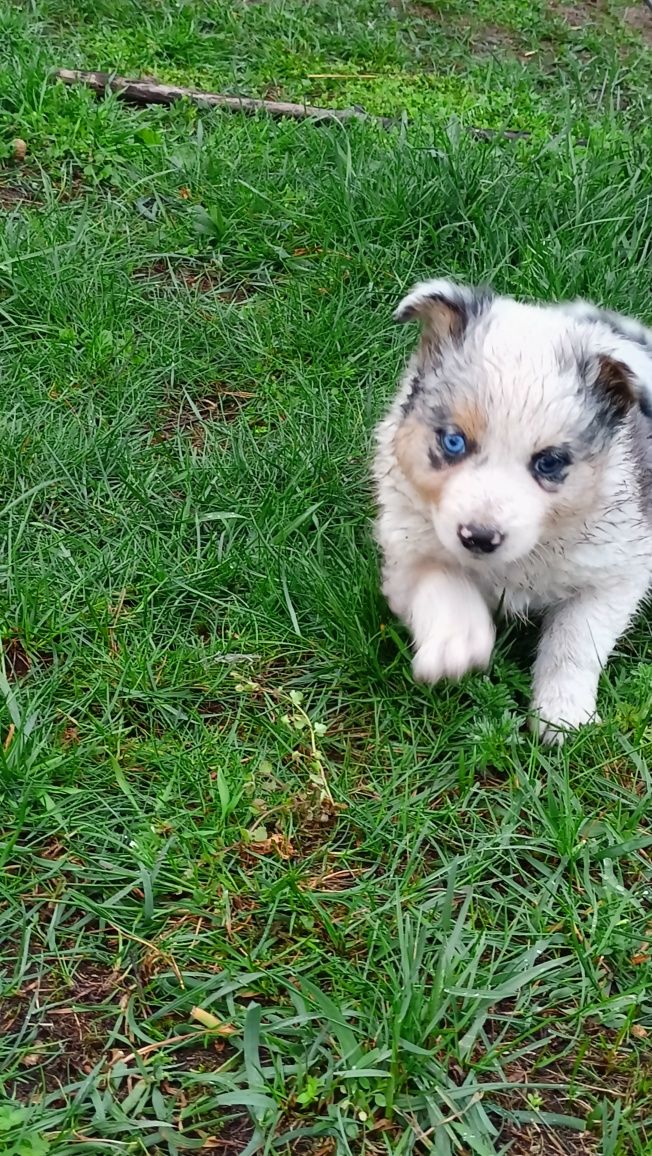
(480, 539)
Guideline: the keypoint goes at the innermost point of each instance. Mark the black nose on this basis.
(480, 539)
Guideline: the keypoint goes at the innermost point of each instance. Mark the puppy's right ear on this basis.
(443, 308)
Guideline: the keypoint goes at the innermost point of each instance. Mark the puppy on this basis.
(514, 469)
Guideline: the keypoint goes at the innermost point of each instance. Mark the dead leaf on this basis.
(211, 1022)
(277, 844)
(70, 736)
(641, 956)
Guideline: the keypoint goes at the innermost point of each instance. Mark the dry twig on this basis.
(151, 92)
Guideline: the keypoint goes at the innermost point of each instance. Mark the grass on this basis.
(260, 892)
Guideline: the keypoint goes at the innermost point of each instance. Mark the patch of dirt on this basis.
(69, 1039)
(492, 38)
(201, 278)
(70, 736)
(212, 709)
(315, 821)
(313, 1145)
(484, 39)
(578, 15)
(533, 1140)
(66, 1029)
(242, 912)
(198, 1058)
(233, 1137)
(12, 1012)
(555, 1081)
(639, 17)
(92, 984)
(223, 405)
(415, 8)
(312, 830)
(13, 195)
(18, 662)
(71, 189)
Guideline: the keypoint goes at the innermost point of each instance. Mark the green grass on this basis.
(415, 929)
(531, 66)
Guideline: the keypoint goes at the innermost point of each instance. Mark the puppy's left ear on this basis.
(624, 378)
(615, 383)
(624, 341)
(444, 310)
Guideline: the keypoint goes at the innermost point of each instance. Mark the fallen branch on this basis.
(151, 92)
(502, 133)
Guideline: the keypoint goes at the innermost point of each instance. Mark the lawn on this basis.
(260, 892)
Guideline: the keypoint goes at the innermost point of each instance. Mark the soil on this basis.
(18, 662)
(68, 1039)
(224, 404)
(639, 17)
(201, 278)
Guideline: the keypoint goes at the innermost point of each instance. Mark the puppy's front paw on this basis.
(455, 648)
(558, 709)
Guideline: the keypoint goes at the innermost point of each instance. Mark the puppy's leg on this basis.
(577, 639)
(451, 625)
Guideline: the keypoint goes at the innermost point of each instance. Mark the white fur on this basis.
(452, 628)
(581, 556)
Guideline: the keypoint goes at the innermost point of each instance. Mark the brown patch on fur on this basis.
(472, 422)
(442, 321)
(417, 458)
(615, 380)
(443, 318)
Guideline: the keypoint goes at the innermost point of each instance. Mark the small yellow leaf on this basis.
(208, 1020)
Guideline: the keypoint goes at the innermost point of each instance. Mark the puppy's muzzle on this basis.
(480, 539)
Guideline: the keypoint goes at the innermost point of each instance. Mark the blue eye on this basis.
(453, 444)
(550, 464)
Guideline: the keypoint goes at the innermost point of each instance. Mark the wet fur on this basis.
(517, 379)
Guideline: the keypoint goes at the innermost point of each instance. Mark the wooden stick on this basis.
(505, 133)
(151, 92)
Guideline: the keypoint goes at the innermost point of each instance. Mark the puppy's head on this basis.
(513, 411)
